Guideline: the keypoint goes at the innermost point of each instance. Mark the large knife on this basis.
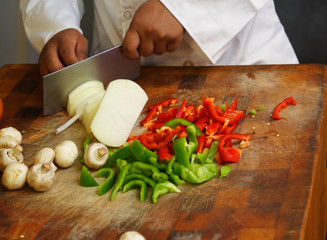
(105, 66)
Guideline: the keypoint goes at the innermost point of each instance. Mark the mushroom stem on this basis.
(102, 151)
(15, 152)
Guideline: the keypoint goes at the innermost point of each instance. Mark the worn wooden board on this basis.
(276, 191)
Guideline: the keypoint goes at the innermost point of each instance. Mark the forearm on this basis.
(44, 18)
(210, 24)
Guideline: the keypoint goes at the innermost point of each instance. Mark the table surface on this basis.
(276, 191)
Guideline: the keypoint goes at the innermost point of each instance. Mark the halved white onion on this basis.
(118, 111)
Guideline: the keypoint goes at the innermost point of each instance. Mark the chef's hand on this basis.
(64, 48)
(153, 30)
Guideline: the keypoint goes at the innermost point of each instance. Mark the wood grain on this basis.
(278, 190)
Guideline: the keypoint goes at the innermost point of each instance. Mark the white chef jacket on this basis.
(218, 32)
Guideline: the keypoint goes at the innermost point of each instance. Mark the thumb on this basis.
(131, 43)
(82, 48)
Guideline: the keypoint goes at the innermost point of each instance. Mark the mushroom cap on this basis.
(96, 155)
(10, 137)
(10, 155)
(66, 154)
(131, 235)
(14, 176)
(45, 155)
(41, 177)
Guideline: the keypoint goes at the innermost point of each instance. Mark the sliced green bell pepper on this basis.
(121, 153)
(133, 176)
(162, 188)
(141, 153)
(137, 183)
(120, 181)
(175, 179)
(86, 179)
(109, 174)
(212, 152)
(198, 174)
(181, 121)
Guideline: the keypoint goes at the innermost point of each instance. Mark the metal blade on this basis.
(105, 66)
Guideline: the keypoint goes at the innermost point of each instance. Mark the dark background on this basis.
(305, 22)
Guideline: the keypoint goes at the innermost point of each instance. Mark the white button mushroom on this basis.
(66, 152)
(10, 137)
(131, 235)
(14, 176)
(10, 155)
(96, 155)
(41, 177)
(45, 155)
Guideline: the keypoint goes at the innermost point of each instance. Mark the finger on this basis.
(49, 61)
(131, 43)
(172, 46)
(160, 47)
(146, 47)
(67, 53)
(81, 49)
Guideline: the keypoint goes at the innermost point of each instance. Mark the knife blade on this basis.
(106, 66)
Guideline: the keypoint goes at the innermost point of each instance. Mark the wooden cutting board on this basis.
(278, 190)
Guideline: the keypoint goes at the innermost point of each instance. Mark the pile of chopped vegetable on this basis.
(179, 145)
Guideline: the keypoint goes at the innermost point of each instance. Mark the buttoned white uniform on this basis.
(219, 32)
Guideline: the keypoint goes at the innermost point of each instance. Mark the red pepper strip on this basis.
(162, 118)
(210, 108)
(229, 154)
(163, 153)
(212, 129)
(223, 128)
(230, 129)
(201, 140)
(165, 103)
(202, 122)
(160, 138)
(182, 109)
(234, 116)
(233, 105)
(281, 106)
(155, 140)
(157, 108)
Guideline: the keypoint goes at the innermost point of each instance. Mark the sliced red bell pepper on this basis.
(213, 128)
(164, 154)
(182, 109)
(201, 143)
(281, 106)
(228, 153)
(160, 138)
(157, 108)
(211, 110)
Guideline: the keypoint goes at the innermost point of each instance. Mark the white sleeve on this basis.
(44, 18)
(212, 24)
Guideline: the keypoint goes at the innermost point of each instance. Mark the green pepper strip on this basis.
(109, 174)
(133, 176)
(169, 166)
(181, 152)
(212, 152)
(120, 181)
(163, 188)
(148, 170)
(141, 153)
(202, 156)
(121, 153)
(137, 183)
(200, 172)
(86, 179)
(175, 179)
(181, 121)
